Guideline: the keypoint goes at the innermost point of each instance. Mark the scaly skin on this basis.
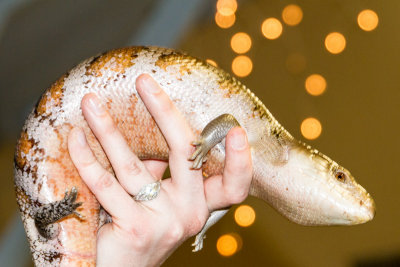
(301, 183)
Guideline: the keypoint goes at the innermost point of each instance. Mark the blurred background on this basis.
(328, 71)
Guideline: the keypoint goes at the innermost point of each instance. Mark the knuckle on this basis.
(243, 166)
(108, 126)
(165, 104)
(236, 195)
(87, 163)
(141, 241)
(132, 167)
(197, 225)
(105, 180)
(196, 222)
(140, 238)
(175, 233)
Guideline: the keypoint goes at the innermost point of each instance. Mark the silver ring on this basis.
(148, 192)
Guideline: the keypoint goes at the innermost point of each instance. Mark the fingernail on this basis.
(150, 85)
(239, 141)
(80, 136)
(95, 106)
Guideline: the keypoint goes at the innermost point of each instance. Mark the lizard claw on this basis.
(214, 132)
(198, 242)
(199, 155)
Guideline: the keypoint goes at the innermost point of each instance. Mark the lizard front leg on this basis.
(214, 132)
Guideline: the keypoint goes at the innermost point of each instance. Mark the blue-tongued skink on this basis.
(301, 183)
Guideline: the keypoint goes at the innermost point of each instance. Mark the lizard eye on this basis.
(340, 176)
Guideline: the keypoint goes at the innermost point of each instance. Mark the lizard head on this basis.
(311, 189)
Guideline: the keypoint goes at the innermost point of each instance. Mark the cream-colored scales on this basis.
(287, 174)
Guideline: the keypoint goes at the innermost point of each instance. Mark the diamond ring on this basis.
(148, 192)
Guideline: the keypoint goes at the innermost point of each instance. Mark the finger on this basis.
(129, 170)
(156, 167)
(102, 184)
(173, 125)
(233, 185)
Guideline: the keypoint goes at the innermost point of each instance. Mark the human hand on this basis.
(146, 233)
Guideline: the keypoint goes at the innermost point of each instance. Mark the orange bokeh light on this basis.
(245, 215)
(242, 66)
(224, 21)
(367, 20)
(335, 42)
(315, 84)
(292, 15)
(241, 42)
(271, 28)
(227, 245)
(226, 7)
(311, 128)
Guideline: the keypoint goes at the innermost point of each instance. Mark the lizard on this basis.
(61, 216)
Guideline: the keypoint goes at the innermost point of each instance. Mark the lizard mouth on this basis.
(367, 210)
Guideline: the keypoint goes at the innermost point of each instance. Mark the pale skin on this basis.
(146, 233)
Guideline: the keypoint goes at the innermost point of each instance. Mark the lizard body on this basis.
(301, 183)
